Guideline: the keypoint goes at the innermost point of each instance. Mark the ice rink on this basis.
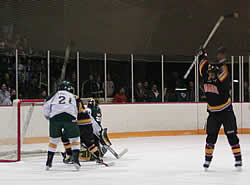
(170, 160)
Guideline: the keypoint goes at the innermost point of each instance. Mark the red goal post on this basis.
(21, 113)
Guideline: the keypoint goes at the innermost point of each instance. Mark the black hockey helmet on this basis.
(222, 50)
(66, 85)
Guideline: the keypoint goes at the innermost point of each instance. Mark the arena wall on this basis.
(124, 120)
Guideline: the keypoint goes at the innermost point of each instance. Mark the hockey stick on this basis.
(221, 19)
(66, 60)
(117, 156)
(112, 151)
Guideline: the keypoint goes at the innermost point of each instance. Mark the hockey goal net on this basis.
(24, 131)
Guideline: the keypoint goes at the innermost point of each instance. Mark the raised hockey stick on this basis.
(221, 19)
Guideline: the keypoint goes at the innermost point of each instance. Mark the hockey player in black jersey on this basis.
(87, 136)
(217, 87)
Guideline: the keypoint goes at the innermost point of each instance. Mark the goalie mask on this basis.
(91, 103)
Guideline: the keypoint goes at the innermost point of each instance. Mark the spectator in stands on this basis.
(28, 70)
(23, 86)
(33, 89)
(171, 95)
(146, 91)
(154, 94)
(99, 85)
(44, 94)
(7, 79)
(5, 95)
(110, 86)
(120, 97)
(12, 94)
(89, 87)
(246, 92)
(191, 92)
(139, 92)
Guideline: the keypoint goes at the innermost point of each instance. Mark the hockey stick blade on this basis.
(117, 156)
(123, 153)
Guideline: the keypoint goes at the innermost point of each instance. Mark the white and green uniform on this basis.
(61, 110)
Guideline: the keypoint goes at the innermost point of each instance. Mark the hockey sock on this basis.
(209, 152)
(236, 152)
(75, 146)
(51, 150)
(67, 147)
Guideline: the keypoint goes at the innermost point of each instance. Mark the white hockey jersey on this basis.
(61, 101)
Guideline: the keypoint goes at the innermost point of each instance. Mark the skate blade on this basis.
(239, 168)
(47, 168)
(205, 169)
(77, 166)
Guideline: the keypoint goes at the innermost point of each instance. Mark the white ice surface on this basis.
(171, 160)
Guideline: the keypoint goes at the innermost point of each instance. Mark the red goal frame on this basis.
(20, 102)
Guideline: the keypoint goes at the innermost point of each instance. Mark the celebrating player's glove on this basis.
(202, 54)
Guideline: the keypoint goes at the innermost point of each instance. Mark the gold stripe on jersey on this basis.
(224, 73)
(202, 64)
(219, 107)
(88, 120)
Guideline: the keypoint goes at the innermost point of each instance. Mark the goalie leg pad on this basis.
(85, 155)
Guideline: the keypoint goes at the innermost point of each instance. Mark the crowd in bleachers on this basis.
(32, 83)
(32, 79)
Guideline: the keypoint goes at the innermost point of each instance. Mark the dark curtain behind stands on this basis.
(126, 26)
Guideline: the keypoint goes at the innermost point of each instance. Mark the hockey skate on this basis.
(238, 165)
(67, 159)
(49, 160)
(206, 165)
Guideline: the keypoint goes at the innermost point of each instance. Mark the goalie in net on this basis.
(92, 136)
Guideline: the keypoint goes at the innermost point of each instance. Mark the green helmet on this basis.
(65, 85)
